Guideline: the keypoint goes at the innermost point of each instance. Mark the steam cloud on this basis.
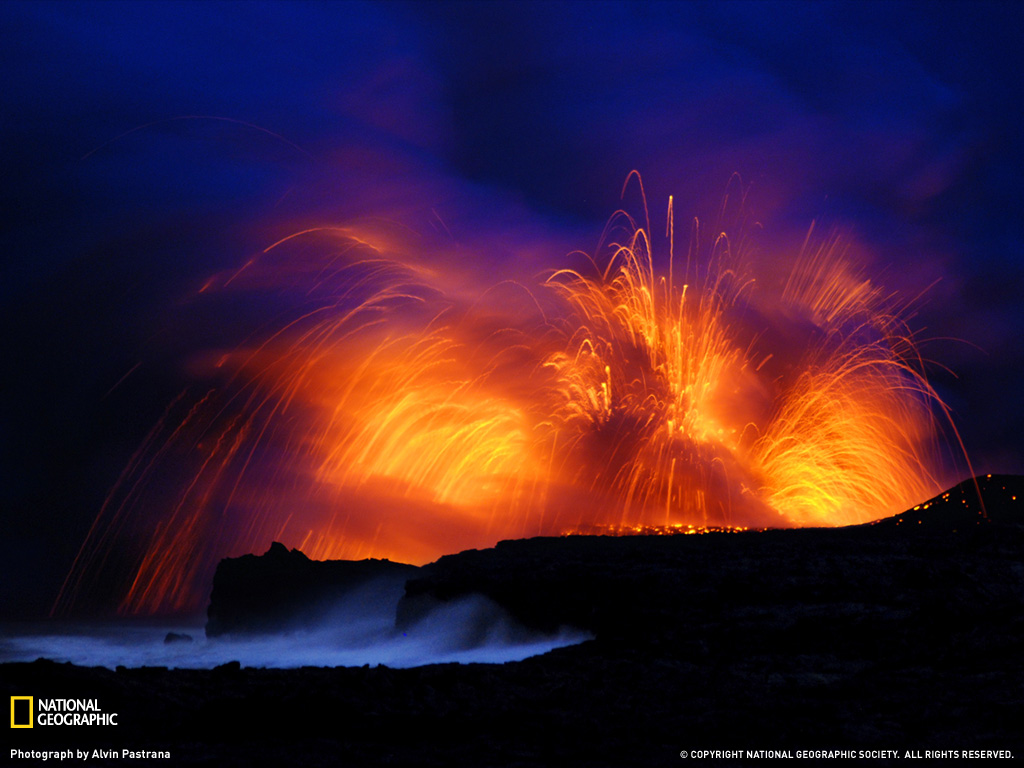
(357, 630)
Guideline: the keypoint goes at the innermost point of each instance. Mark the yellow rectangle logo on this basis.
(21, 712)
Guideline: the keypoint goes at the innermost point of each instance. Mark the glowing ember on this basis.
(400, 410)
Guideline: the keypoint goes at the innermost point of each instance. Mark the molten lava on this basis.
(400, 408)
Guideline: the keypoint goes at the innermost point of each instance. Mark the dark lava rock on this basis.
(177, 637)
(903, 635)
(907, 583)
(979, 501)
(282, 588)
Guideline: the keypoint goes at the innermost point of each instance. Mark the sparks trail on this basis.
(399, 408)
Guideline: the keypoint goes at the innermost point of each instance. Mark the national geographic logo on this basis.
(21, 712)
(48, 712)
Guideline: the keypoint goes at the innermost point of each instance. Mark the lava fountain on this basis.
(396, 405)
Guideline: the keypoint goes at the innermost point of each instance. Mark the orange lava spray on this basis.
(402, 408)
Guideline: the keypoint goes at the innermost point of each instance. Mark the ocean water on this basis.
(353, 633)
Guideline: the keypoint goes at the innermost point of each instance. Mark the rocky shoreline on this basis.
(903, 635)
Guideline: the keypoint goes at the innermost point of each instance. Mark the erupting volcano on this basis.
(395, 404)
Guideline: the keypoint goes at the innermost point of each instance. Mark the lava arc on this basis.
(401, 407)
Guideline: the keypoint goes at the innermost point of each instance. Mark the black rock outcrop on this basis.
(905, 635)
(949, 561)
(282, 588)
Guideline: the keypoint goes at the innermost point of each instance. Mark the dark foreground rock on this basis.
(949, 562)
(282, 588)
(903, 636)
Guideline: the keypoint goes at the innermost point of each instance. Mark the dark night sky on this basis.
(148, 145)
